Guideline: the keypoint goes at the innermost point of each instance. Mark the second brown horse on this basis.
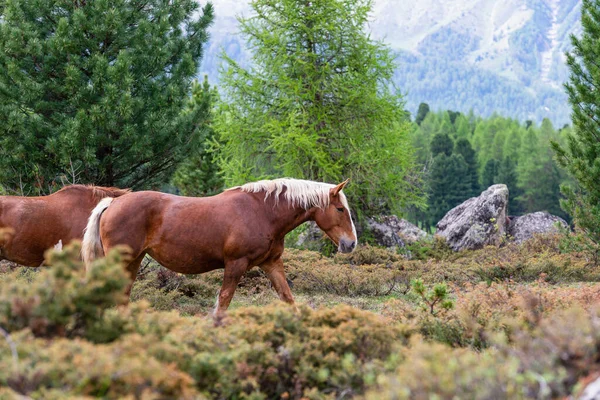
(236, 230)
(39, 223)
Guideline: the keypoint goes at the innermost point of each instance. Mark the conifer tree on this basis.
(490, 171)
(507, 175)
(581, 155)
(447, 186)
(441, 144)
(96, 90)
(198, 174)
(463, 147)
(318, 103)
(422, 113)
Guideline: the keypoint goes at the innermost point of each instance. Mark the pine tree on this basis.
(97, 89)
(507, 175)
(489, 173)
(447, 186)
(441, 144)
(422, 113)
(317, 104)
(199, 174)
(464, 148)
(581, 154)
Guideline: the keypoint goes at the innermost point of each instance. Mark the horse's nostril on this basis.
(352, 245)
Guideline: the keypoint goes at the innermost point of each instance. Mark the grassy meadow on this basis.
(520, 321)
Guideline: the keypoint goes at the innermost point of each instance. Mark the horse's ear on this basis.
(334, 191)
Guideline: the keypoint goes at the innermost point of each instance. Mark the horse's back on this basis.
(186, 234)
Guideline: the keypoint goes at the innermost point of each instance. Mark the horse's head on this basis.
(335, 220)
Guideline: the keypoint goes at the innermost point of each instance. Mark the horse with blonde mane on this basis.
(236, 230)
(31, 225)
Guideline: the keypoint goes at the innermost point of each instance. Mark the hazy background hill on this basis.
(481, 55)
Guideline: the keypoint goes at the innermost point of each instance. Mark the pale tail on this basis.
(91, 248)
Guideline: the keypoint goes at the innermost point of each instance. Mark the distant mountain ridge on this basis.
(482, 55)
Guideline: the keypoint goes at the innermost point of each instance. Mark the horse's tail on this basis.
(91, 247)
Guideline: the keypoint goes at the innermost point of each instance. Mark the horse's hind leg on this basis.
(276, 274)
(132, 268)
(234, 270)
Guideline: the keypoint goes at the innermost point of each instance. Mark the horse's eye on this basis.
(340, 209)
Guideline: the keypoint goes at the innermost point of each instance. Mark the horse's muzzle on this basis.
(346, 246)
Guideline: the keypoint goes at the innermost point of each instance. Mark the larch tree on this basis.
(317, 102)
(94, 90)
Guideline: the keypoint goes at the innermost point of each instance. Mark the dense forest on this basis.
(463, 154)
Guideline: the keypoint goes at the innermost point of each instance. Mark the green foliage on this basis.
(457, 333)
(422, 113)
(198, 174)
(448, 185)
(507, 174)
(434, 300)
(495, 150)
(490, 171)
(581, 154)
(62, 300)
(463, 147)
(318, 104)
(94, 91)
(441, 144)
(436, 248)
(518, 366)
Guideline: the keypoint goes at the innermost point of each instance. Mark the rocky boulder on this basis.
(312, 238)
(524, 227)
(391, 231)
(477, 222)
(591, 388)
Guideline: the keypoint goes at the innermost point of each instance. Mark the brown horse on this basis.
(238, 229)
(40, 223)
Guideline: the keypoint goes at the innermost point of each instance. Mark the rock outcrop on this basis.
(391, 231)
(477, 222)
(526, 226)
(313, 238)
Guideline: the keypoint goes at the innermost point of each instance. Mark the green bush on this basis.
(61, 300)
(256, 353)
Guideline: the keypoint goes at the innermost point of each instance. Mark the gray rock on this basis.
(391, 231)
(312, 238)
(524, 227)
(591, 391)
(477, 222)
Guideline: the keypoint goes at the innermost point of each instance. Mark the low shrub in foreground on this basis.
(256, 353)
(541, 361)
(61, 300)
(500, 339)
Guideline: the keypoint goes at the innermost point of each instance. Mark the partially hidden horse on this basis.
(36, 224)
(236, 230)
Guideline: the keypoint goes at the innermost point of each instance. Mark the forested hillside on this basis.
(481, 55)
(463, 154)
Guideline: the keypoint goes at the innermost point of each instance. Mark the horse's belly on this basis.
(185, 263)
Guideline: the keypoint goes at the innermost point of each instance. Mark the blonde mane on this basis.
(302, 193)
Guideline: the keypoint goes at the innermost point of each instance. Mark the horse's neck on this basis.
(288, 218)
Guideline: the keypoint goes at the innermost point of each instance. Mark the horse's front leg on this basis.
(234, 270)
(276, 274)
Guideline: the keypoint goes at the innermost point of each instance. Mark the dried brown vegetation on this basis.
(523, 323)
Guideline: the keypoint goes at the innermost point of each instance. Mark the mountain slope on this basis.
(484, 55)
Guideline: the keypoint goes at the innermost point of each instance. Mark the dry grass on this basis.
(519, 313)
